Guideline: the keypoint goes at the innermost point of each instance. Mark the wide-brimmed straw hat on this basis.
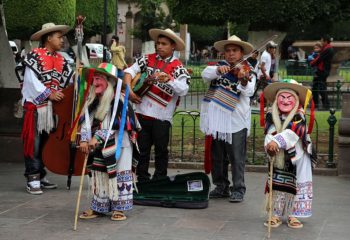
(155, 32)
(106, 69)
(247, 47)
(271, 90)
(47, 28)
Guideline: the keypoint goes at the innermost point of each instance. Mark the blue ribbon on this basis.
(118, 152)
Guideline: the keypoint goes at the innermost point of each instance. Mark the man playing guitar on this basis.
(167, 80)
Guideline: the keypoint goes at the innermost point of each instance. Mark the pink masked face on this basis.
(100, 83)
(285, 102)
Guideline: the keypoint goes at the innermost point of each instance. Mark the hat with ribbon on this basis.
(106, 69)
(48, 28)
(246, 46)
(155, 32)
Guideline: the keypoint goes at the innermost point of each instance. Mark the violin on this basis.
(242, 65)
(241, 70)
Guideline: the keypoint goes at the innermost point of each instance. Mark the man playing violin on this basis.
(168, 80)
(225, 116)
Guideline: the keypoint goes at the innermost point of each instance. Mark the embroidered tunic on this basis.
(162, 98)
(225, 108)
(44, 73)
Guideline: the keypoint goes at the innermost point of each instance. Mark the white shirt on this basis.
(266, 59)
(149, 108)
(33, 89)
(216, 121)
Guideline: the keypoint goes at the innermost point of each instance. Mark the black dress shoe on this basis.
(219, 193)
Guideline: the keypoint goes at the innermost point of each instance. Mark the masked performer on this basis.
(288, 142)
(110, 160)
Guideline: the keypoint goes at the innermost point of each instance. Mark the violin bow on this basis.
(260, 47)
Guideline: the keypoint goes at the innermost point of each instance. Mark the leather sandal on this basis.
(118, 216)
(89, 214)
(293, 222)
(275, 222)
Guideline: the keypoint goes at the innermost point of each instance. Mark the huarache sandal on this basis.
(118, 216)
(90, 214)
(275, 222)
(294, 223)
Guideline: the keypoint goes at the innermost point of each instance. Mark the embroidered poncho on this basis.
(225, 108)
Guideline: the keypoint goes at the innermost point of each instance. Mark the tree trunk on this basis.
(7, 61)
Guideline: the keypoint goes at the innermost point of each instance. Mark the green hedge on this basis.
(23, 18)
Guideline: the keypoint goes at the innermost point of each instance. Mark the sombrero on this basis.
(47, 28)
(271, 90)
(155, 32)
(220, 45)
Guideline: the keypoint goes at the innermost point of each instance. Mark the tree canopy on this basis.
(261, 14)
(93, 11)
(23, 18)
(152, 16)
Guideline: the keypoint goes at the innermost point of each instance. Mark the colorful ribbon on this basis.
(122, 124)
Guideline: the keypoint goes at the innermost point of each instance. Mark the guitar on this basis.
(140, 84)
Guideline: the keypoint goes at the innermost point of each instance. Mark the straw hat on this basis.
(154, 33)
(106, 69)
(247, 47)
(47, 28)
(271, 90)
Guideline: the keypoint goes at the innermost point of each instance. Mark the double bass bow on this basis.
(60, 153)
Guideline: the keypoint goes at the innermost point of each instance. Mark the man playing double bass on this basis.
(46, 73)
(155, 109)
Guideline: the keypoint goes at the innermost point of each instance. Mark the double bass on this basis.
(60, 154)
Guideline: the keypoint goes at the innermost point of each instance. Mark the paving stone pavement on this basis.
(51, 216)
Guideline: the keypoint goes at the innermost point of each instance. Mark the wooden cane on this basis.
(270, 197)
(79, 193)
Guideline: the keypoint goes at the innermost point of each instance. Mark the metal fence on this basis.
(187, 141)
(334, 89)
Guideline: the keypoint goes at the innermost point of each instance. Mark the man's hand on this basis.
(223, 69)
(56, 96)
(134, 98)
(93, 144)
(272, 148)
(162, 77)
(84, 147)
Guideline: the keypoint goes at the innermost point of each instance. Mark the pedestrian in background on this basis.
(118, 56)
